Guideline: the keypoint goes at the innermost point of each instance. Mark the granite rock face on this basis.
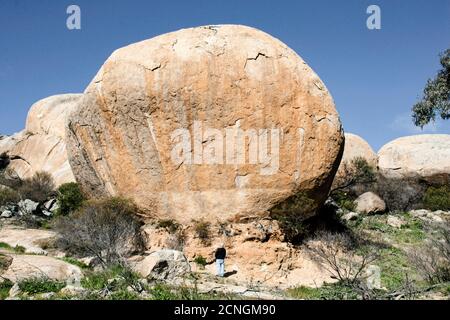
(211, 122)
(42, 146)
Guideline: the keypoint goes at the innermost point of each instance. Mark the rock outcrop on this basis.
(210, 122)
(421, 157)
(32, 240)
(41, 146)
(36, 266)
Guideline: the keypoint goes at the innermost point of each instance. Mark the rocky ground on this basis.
(32, 266)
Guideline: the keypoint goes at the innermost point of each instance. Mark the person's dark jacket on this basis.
(221, 253)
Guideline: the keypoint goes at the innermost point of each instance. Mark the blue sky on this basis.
(374, 76)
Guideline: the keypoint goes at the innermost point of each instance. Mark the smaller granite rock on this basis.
(395, 222)
(350, 216)
(430, 216)
(36, 266)
(369, 202)
(27, 207)
(162, 265)
(6, 214)
(373, 273)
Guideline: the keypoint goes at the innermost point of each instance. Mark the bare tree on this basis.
(433, 259)
(335, 252)
(107, 229)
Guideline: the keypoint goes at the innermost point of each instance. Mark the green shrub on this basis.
(107, 228)
(163, 292)
(344, 200)
(70, 198)
(202, 230)
(201, 261)
(328, 291)
(75, 262)
(124, 295)
(96, 280)
(357, 171)
(115, 278)
(40, 285)
(437, 198)
(305, 293)
(5, 286)
(170, 225)
(6, 246)
(17, 248)
(37, 188)
(8, 196)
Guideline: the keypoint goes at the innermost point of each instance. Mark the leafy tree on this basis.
(70, 198)
(436, 96)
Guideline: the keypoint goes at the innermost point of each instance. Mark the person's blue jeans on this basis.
(220, 263)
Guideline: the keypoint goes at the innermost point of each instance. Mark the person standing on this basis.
(220, 256)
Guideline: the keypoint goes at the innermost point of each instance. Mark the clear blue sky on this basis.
(374, 76)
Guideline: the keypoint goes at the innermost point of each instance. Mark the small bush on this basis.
(124, 295)
(304, 293)
(5, 286)
(163, 292)
(433, 259)
(75, 262)
(70, 198)
(201, 261)
(202, 230)
(400, 194)
(40, 285)
(37, 188)
(8, 196)
(354, 172)
(6, 246)
(17, 248)
(437, 198)
(108, 229)
(291, 215)
(115, 278)
(170, 225)
(344, 200)
(336, 252)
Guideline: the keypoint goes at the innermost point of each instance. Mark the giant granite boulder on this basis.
(421, 157)
(41, 146)
(217, 122)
